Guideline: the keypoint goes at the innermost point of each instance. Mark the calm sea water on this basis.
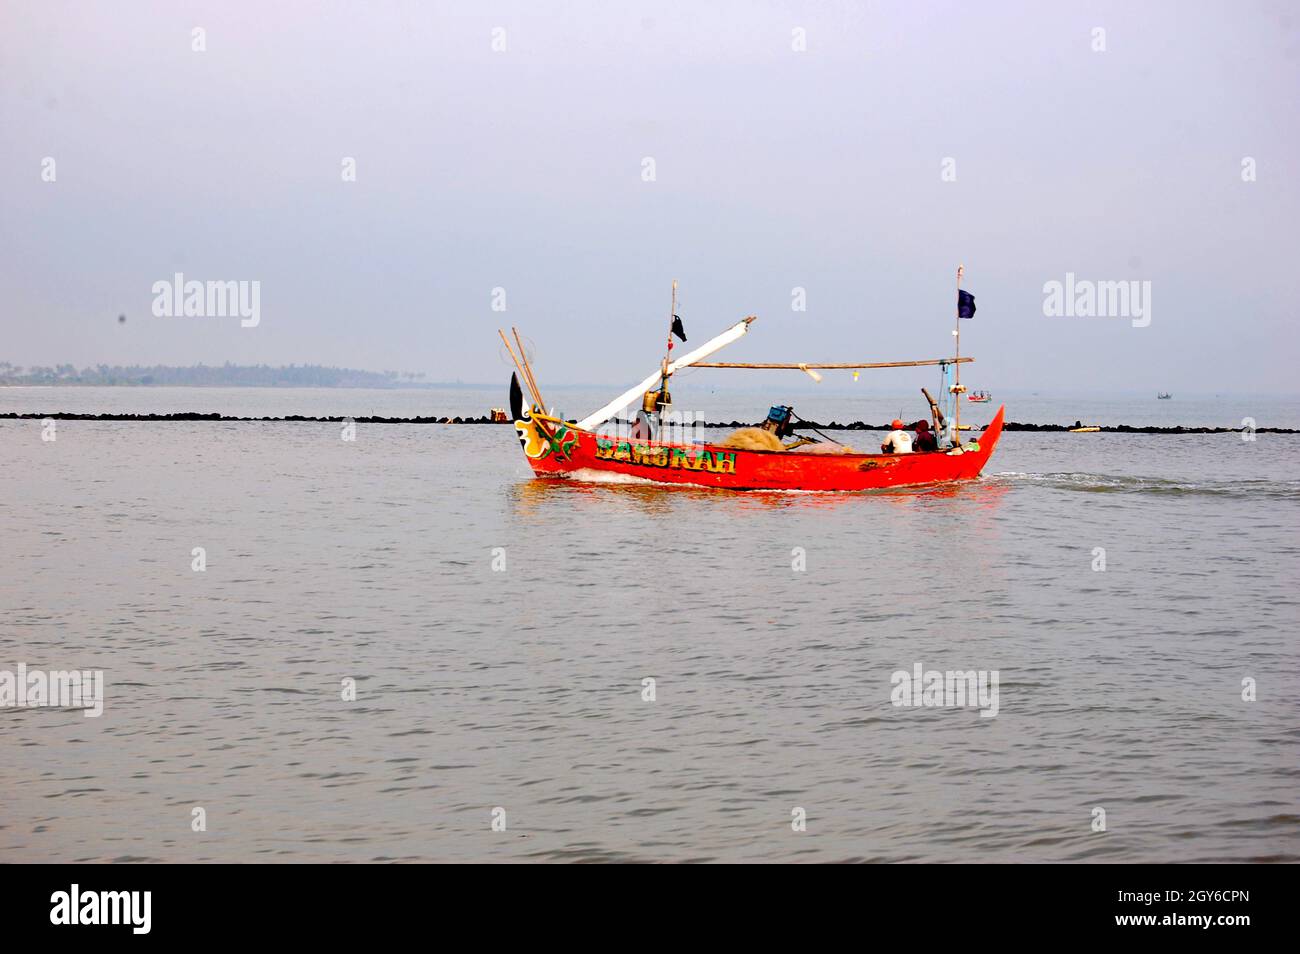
(522, 688)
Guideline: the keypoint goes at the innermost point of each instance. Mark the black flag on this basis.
(678, 328)
(965, 304)
(516, 399)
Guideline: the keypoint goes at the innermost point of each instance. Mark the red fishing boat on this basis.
(556, 448)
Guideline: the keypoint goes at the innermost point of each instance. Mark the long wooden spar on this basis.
(525, 372)
(827, 367)
(736, 331)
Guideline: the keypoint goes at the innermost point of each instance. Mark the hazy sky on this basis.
(774, 169)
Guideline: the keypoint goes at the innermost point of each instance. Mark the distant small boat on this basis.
(980, 397)
(1085, 430)
(1163, 396)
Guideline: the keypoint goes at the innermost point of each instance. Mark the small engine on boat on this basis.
(779, 421)
(653, 401)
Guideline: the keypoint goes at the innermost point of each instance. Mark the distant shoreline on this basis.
(283, 386)
(203, 375)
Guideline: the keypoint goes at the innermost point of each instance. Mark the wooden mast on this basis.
(523, 378)
(528, 369)
(525, 373)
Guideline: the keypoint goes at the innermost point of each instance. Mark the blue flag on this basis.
(965, 304)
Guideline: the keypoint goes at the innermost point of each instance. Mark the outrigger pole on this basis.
(832, 367)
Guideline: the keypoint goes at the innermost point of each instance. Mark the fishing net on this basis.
(753, 438)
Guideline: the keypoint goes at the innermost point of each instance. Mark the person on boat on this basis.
(925, 439)
(643, 428)
(897, 441)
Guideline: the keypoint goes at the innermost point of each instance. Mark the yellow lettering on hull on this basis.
(712, 462)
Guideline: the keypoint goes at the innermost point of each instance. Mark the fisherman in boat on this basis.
(897, 441)
(925, 439)
(643, 428)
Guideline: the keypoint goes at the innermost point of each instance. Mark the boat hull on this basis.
(556, 450)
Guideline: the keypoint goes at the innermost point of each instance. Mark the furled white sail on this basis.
(733, 333)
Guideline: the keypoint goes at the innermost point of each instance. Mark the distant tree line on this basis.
(202, 375)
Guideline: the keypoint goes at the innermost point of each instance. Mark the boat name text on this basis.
(713, 462)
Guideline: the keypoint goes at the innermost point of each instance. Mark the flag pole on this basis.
(668, 353)
(956, 386)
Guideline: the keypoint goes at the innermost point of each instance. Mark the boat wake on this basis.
(589, 475)
(1125, 484)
